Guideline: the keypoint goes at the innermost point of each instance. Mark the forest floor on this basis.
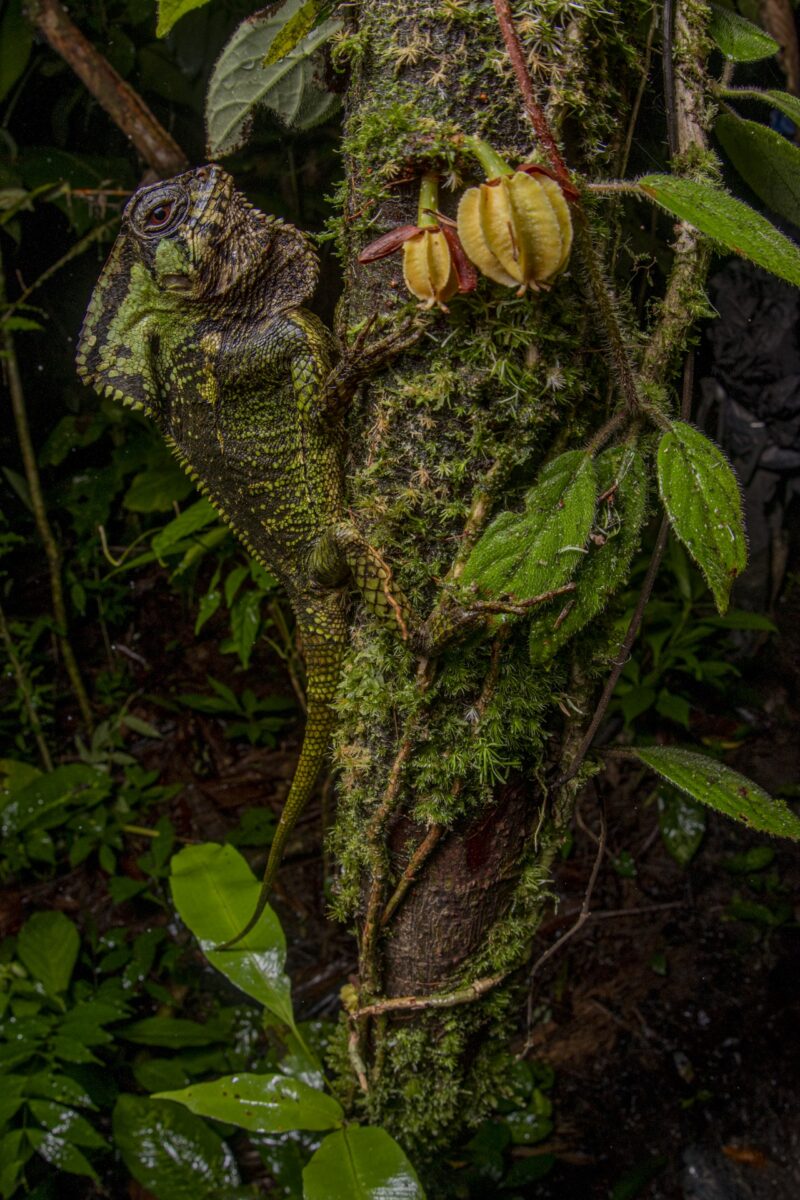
(670, 1019)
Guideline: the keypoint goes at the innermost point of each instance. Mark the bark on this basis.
(448, 811)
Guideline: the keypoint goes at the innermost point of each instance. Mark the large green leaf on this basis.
(728, 221)
(172, 1153)
(606, 565)
(527, 554)
(739, 39)
(215, 893)
(261, 1103)
(719, 787)
(170, 11)
(241, 84)
(701, 497)
(768, 162)
(48, 945)
(360, 1164)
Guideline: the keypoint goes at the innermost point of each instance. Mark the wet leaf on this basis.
(66, 1123)
(605, 566)
(766, 160)
(47, 792)
(360, 1163)
(527, 554)
(60, 1153)
(728, 221)
(48, 945)
(738, 39)
(261, 1103)
(719, 787)
(240, 83)
(172, 1153)
(682, 823)
(701, 497)
(215, 893)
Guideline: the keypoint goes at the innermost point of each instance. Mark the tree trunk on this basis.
(449, 767)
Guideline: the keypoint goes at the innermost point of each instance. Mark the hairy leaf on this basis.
(360, 1163)
(527, 554)
(739, 39)
(215, 893)
(766, 161)
(240, 83)
(719, 787)
(701, 498)
(783, 101)
(261, 1103)
(606, 565)
(728, 221)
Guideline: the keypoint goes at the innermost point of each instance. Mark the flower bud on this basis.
(516, 229)
(428, 267)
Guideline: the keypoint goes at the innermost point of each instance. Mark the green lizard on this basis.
(197, 320)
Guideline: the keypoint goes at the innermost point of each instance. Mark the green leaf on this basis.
(64, 785)
(682, 823)
(605, 567)
(207, 607)
(738, 39)
(171, 1032)
(360, 1163)
(527, 554)
(14, 1153)
(240, 83)
(245, 623)
(719, 787)
(11, 1096)
(215, 893)
(701, 497)
(261, 1103)
(157, 488)
(68, 1124)
(307, 17)
(192, 519)
(170, 11)
(16, 40)
(766, 161)
(48, 945)
(783, 101)
(728, 221)
(60, 1153)
(172, 1153)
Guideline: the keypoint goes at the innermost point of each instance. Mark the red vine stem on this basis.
(532, 107)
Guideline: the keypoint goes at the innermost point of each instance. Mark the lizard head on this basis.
(189, 248)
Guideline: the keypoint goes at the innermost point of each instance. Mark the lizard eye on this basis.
(158, 217)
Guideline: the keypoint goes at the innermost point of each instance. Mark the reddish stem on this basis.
(532, 107)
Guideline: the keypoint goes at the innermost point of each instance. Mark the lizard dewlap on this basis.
(517, 229)
(197, 320)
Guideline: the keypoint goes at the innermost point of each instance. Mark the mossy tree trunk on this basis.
(448, 815)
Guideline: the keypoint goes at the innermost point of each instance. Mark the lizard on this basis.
(197, 320)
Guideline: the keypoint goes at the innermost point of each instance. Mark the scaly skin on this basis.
(196, 320)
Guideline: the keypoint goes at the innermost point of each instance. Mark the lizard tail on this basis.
(323, 664)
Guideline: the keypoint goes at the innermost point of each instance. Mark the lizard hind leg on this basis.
(344, 549)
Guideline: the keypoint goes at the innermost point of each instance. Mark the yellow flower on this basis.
(516, 229)
(428, 267)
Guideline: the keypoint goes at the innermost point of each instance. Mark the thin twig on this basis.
(125, 107)
(26, 693)
(465, 995)
(51, 548)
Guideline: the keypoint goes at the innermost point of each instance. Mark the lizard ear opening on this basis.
(114, 352)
